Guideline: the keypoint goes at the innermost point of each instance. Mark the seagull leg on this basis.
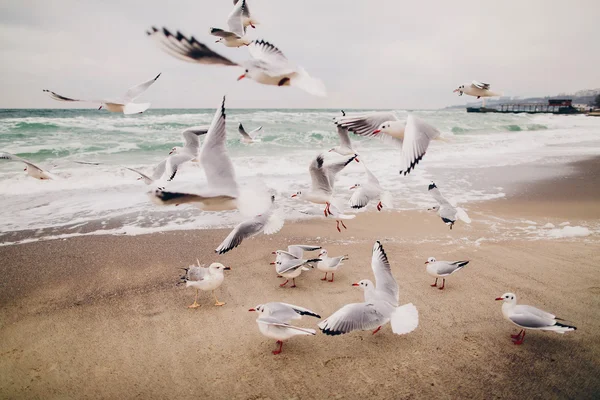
(324, 279)
(332, 274)
(443, 284)
(293, 282)
(195, 304)
(344, 225)
(280, 343)
(284, 283)
(217, 302)
(435, 283)
(520, 341)
(518, 335)
(338, 226)
(376, 330)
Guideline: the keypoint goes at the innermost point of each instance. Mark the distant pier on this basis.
(554, 106)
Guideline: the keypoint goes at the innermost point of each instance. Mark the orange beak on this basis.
(499, 298)
(355, 284)
(241, 77)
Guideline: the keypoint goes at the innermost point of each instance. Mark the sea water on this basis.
(105, 198)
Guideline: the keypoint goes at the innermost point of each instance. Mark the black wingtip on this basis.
(320, 160)
(157, 76)
(343, 113)
(566, 326)
(431, 186)
(330, 332)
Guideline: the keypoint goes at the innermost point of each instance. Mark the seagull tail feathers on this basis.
(309, 84)
(405, 319)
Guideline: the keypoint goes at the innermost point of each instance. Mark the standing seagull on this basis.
(290, 267)
(476, 89)
(274, 321)
(269, 222)
(380, 305)
(205, 279)
(441, 269)
(371, 190)
(447, 212)
(124, 105)
(220, 192)
(528, 317)
(248, 137)
(267, 64)
(329, 264)
(247, 19)
(323, 178)
(413, 135)
(32, 170)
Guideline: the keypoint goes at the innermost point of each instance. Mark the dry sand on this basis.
(101, 317)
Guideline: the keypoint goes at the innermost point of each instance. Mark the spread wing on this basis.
(214, 158)
(271, 58)
(480, 85)
(224, 34)
(234, 20)
(11, 157)
(352, 317)
(359, 199)
(243, 132)
(318, 176)
(186, 49)
(147, 180)
(159, 170)
(134, 92)
(384, 281)
(437, 195)
(417, 136)
(243, 231)
(331, 170)
(191, 138)
(59, 97)
(371, 178)
(299, 249)
(364, 124)
(344, 138)
(174, 161)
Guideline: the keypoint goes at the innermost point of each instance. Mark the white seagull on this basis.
(204, 279)
(323, 178)
(296, 250)
(123, 105)
(370, 190)
(345, 147)
(334, 213)
(179, 155)
(220, 192)
(248, 137)
(447, 212)
(247, 19)
(380, 305)
(290, 267)
(32, 170)
(528, 317)
(413, 135)
(441, 269)
(267, 64)
(269, 222)
(234, 37)
(476, 89)
(329, 264)
(274, 321)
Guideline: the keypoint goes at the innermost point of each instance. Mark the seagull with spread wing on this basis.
(123, 105)
(234, 37)
(447, 212)
(380, 305)
(248, 137)
(267, 64)
(370, 190)
(476, 89)
(32, 170)
(247, 19)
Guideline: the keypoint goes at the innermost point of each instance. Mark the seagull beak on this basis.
(273, 252)
(294, 195)
(216, 41)
(227, 268)
(271, 263)
(499, 298)
(353, 187)
(241, 77)
(426, 262)
(376, 131)
(252, 309)
(355, 284)
(171, 152)
(100, 108)
(455, 90)
(330, 150)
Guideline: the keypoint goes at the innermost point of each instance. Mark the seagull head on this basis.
(459, 89)
(357, 185)
(430, 260)
(510, 298)
(174, 150)
(364, 284)
(259, 308)
(434, 208)
(297, 194)
(323, 253)
(242, 76)
(392, 128)
(214, 267)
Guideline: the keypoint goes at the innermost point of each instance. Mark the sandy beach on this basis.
(102, 317)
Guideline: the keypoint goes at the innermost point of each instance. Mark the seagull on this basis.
(445, 210)
(205, 279)
(269, 222)
(32, 170)
(220, 192)
(323, 177)
(267, 64)
(380, 305)
(334, 213)
(528, 317)
(248, 137)
(371, 190)
(413, 135)
(179, 155)
(124, 105)
(476, 89)
(329, 264)
(441, 269)
(290, 267)
(247, 19)
(274, 321)
(345, 147)
(296, 250)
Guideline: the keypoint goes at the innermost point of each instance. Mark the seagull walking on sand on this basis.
(447, 212)
(274, 321)
(32, 170)
(290, 267)
(248, 137)
(123, 105)
(323, 178)
(205, 279)
(380, 305)
(412, 135)
(442, 269)
(528, 317)
(476, 89)
(267, 64)
(269, 222)
(370, 190)
(329, 264)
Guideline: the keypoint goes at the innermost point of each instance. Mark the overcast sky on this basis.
(370, 54)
